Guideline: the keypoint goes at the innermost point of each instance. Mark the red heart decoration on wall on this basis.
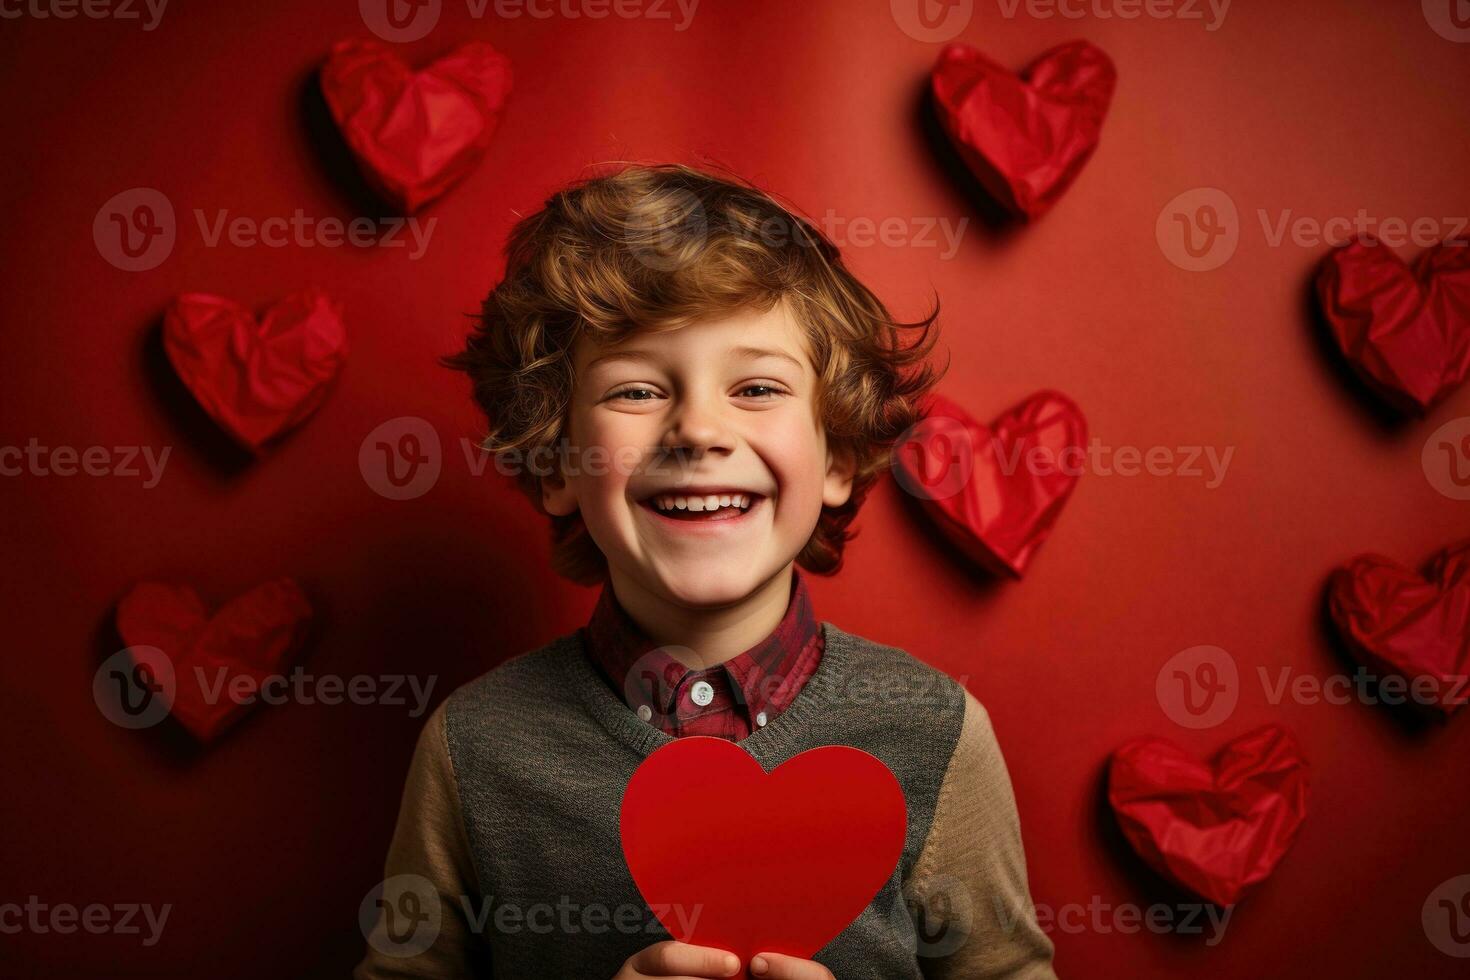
(1212, 829)
(778, 862)
(995, 491)
(256, 378)
(252, 637)
(1026, 137)
(415, 134)
(1404, 330)
(1398, 622)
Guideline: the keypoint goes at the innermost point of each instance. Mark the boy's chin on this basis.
(710, 584)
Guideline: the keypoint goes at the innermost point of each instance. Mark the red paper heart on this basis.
(1215, 830)
(252, 636)
(256, 379)
(731, 857)
(995, 491)
(1400, 623)
(1405, 331)
(415, 134)
(1024, 138)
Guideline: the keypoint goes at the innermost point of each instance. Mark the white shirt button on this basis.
(645, 712)
(760, 720)
(702, 693)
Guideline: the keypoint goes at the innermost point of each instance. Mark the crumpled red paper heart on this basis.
(415, 134)
(995, 491)
(1024, 138)
(1398, 622)
(1217, 829)
(253, 636)
(256, 379)
(1404, 330)
(779, 862)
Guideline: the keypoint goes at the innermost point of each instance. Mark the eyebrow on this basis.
(622, 355)
(742, 351)
(759, 352)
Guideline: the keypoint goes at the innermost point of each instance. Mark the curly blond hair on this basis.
(659, 247)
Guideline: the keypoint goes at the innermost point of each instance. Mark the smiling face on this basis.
(665, 423)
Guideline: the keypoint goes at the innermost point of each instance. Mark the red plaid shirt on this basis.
(727, 701)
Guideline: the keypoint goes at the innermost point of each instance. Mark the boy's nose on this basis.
(698, 424)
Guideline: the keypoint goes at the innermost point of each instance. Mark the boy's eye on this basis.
(769, 389)
(634, 391)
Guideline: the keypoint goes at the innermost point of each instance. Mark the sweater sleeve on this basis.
(976, 919)
(423, 929)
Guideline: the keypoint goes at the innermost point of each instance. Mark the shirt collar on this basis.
(635, 665)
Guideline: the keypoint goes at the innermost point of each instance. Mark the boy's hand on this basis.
(778, 966)
(681, 960)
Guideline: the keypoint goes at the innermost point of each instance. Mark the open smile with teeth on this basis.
(710, 507)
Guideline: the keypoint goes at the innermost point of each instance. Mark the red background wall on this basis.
(266, 843)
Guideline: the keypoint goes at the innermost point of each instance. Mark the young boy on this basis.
(699, 395)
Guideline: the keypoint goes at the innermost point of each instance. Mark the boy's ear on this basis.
(557, 496)
(841, 467)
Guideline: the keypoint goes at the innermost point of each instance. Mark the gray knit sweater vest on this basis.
(543, 749)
